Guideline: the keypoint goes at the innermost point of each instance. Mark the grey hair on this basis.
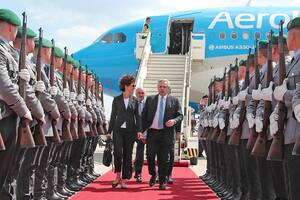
(140, 88)
(164, 80)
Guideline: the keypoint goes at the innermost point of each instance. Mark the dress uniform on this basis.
(11, 103)
(275, 167)
(45, 154)
(288, 93)
(264, 166)
(60, 150)
(23, 172)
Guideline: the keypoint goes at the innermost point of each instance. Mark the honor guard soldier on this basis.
(60, 149)
(25, 168)
(12, 104)
(43, 54)
(264, 166)
(288, 93)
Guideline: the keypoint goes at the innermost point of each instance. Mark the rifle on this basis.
(81, 132)
(55, 138)
(73, 121)
(66, 133)
(92, 132)
(276, 149)
(25, 136)
(206, 129)
(2, 145)
(260, 147)
(237, 132)
(39, 134)
(100, 128)
(216, 132)
(211, 130)
(223, 134)
(252, 130)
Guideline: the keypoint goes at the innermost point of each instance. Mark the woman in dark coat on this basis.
(124, 126)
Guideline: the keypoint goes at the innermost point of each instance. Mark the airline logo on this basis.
(251, 20)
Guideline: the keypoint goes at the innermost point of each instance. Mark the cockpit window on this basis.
(106, 38)
(120, 37)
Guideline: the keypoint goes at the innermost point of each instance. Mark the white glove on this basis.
(25, 75)
(226, 104)
(210, 123)
(205, 123)
(40, 86)
(266, 93)
(28, 115)
(66, 93)
(242, 94)
(80, 97)
(221, 103)
(297, 112)
(280, 91)
(251, 120)
(99, 103)
(235, 100)
(231, 123)
(273, 122)
(221, 123)
(213, 106)
(208, 109)
(42, 119)
(235, 120)
(72, 96)
(256, 94)
(88, 102)
(259, 124)
(53, 91)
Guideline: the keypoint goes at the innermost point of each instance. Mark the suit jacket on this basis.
(172, 111)
(120, 114)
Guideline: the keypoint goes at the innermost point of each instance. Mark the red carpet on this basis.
(187, 186)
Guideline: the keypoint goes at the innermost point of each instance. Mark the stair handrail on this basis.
(142, 69)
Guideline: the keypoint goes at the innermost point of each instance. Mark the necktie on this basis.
(161, 113)
(140, 107)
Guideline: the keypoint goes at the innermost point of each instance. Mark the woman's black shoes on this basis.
(115, 183)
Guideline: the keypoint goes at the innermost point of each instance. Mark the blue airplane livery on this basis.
(229, 33)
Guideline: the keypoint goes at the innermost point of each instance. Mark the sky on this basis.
(77, 23)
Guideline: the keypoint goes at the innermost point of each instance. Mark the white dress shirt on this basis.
(156, 117)
(126, 105)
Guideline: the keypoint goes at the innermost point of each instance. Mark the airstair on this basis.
(175, 68)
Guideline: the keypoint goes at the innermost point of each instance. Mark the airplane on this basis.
(229, 33)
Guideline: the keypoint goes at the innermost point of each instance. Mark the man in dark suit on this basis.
(139, 157)
(160, 115)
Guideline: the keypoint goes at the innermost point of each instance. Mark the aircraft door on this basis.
(158, 27)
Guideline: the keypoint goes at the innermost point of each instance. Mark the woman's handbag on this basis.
(107, 155)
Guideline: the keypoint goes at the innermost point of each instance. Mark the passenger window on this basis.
(245, 35)
(106, 38)
(222, 36)
(234, 35)
(120, 37)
